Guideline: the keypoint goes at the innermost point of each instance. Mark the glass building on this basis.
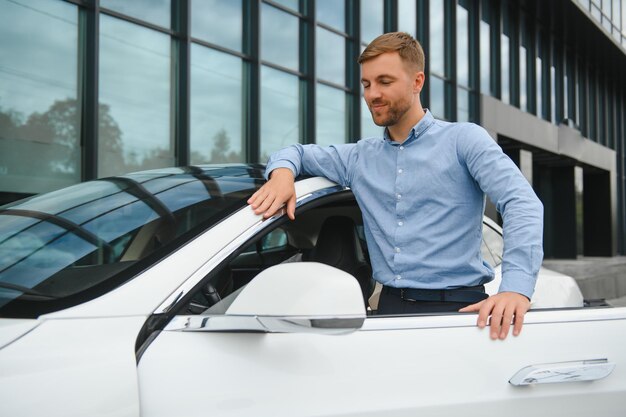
(92, 88)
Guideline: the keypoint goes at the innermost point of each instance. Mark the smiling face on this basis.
(391, 88)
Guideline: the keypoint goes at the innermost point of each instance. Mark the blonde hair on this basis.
(410, 50)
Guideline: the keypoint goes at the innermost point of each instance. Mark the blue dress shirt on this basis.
(423, 201)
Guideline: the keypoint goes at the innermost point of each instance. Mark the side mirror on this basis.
(298, 297)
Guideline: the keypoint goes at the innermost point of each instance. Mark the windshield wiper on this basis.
(28, 293)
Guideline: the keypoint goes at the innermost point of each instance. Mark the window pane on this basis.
(332, 13)
(462, 46)
(553, 93)
(525, 64)
(330, 115)
(504, 62)
(218, 21)
(368, 127)
(280, 104)
(437, 63)
(372, 15)
(153, 11)
(581, 105)
(134, 126)
(485, 61)
(279, 37)
(407, 15)
(216, 107)
(593, 85)
(437, 106)
(463, 105)
(331, 53)
(39, 111)
(523, 99)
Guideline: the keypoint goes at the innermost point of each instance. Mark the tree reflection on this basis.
(221, 145)
(59, 128)
(48, 145)
(220, 152)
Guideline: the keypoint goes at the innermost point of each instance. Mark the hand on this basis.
(502, 308)
(280, 189)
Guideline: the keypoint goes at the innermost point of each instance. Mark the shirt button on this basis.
(400, 171)
(401, 148)
(400, 223)
(397, 250)
(398, 277)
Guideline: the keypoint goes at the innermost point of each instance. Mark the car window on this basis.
(53, 250)
(289, 241)
(276, 239)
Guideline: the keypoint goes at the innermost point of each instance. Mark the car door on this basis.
(393, 366)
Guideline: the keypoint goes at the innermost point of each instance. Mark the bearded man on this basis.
(421, 188)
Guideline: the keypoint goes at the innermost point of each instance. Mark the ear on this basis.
(418, 81)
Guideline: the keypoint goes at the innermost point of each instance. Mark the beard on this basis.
(395, 111)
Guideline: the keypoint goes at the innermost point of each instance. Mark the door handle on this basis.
(573, 371)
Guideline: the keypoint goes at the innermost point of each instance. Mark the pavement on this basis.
(597, 277)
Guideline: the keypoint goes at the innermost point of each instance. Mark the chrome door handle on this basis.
(547, 373)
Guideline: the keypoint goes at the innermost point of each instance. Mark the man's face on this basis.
(390, 88)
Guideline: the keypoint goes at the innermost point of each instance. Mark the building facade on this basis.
(92, 88)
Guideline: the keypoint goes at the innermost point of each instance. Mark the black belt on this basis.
(457, 295)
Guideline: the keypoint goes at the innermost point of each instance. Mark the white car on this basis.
(161, 293)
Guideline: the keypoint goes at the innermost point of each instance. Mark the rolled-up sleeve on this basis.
(333, 162)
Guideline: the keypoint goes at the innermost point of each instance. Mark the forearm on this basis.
(523, 244)
(325, 161)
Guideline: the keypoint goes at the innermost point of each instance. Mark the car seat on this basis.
(338, 246)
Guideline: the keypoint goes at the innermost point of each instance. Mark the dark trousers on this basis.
(392, 303)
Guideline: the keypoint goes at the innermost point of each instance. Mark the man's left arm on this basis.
(522, 215)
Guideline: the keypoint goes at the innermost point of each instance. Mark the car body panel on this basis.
(394, 366)
(72, 367)
(12, 329)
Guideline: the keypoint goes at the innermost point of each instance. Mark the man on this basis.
(421, 191)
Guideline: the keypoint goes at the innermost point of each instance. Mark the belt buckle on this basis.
(406, 298)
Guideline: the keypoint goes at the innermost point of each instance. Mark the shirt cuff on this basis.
(519, 282)
(279, 164)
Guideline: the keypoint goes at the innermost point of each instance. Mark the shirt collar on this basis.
(415, 132)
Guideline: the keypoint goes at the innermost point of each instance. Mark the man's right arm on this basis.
(283, 166)
(279, 189)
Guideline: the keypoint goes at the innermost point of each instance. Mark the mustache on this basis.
(377, 102)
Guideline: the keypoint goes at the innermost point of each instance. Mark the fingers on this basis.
(471, 308)
(519, 320)
(507, 318)
(267, 201)
(504, 309)
(484, 312)
(273, 208)
(496, 320)
(291, 208)
(264, 205)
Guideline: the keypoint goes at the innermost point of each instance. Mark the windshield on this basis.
(71, 245)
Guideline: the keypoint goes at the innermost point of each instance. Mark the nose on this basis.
(372, 93)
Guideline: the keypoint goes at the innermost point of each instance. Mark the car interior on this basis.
(330, 233)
